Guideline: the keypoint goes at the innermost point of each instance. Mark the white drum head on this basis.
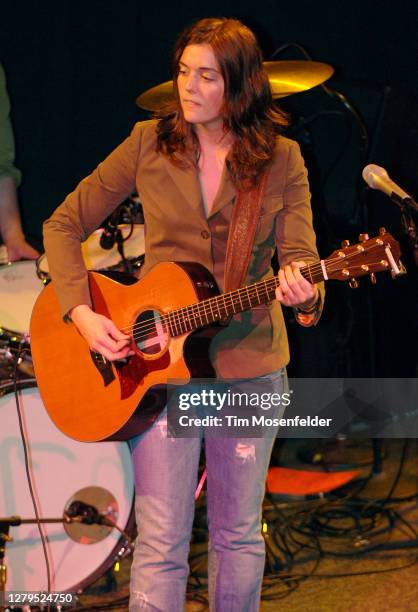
(60, 468)
(97, 258)
(19, 288)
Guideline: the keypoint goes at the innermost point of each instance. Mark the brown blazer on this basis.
(176, 229)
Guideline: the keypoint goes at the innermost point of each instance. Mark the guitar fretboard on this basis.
(220, 307)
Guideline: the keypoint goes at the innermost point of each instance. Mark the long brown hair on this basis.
(249, 113)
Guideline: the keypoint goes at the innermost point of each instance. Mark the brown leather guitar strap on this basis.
(241, 235)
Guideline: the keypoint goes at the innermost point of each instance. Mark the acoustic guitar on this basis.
(171, 314)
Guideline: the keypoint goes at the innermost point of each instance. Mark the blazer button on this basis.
(205, 234)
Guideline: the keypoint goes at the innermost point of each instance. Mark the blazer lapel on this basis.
(186, 181)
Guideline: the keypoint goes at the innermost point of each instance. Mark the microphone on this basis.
(377, 178)
(87, 513)
(110, 230)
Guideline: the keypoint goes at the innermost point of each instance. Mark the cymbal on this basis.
(286, 77)
(154, 98)
(293, 76)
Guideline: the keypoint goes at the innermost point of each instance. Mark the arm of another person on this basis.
(10, 223)
(296, 244)
(74, 220)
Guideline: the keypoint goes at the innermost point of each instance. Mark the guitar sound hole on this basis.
(150, 333)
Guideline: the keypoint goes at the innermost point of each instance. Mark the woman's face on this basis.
(201, 86)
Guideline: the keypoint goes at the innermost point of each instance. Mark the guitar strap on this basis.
(241, 235)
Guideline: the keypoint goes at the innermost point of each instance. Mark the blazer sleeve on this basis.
(81, 213)
(295, 236)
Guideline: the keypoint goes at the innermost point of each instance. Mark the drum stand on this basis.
(127, 264)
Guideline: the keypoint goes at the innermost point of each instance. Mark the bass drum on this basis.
(66, 475)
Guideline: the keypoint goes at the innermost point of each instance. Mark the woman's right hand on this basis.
(101, 333)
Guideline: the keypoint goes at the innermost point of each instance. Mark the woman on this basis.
(219, 138)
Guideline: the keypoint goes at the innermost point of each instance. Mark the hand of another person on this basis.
(20, 249)
(101, 333)
(294, 290)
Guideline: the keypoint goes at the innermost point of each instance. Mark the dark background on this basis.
(75, 68)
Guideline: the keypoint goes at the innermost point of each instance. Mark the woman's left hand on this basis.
(294, 289)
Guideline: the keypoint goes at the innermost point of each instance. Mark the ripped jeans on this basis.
(165, 482)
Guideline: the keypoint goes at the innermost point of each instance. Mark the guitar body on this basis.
(91, 399)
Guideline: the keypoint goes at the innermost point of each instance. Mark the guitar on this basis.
(169, 313)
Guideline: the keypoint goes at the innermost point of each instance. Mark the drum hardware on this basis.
(120, 240)
(76, 514)
(131, 211)
(15, 355)
(286, 77)
(102, 260)
(134, 213)
(112, 234)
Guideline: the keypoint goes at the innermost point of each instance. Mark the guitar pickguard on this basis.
(132, 372)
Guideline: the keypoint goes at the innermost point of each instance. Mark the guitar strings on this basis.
(180, 319)
(205, 306)
(202, 309)
(209, 302)
(180, 314)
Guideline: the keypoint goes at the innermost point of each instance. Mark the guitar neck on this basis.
(220, 307)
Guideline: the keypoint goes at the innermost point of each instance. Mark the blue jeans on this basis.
(165, 482)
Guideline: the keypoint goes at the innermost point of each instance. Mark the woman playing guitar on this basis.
(219, 140)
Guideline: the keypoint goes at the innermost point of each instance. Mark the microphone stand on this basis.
(87, 515)
(406, 205)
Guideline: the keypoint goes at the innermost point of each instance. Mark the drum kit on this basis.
(73, 481)
(86, 488)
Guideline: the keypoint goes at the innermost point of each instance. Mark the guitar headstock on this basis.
(370, 255)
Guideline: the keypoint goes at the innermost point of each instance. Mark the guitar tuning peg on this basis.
(353, 283)
(373, 278)
(382, 231)
(345, 243)
(363, 237)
